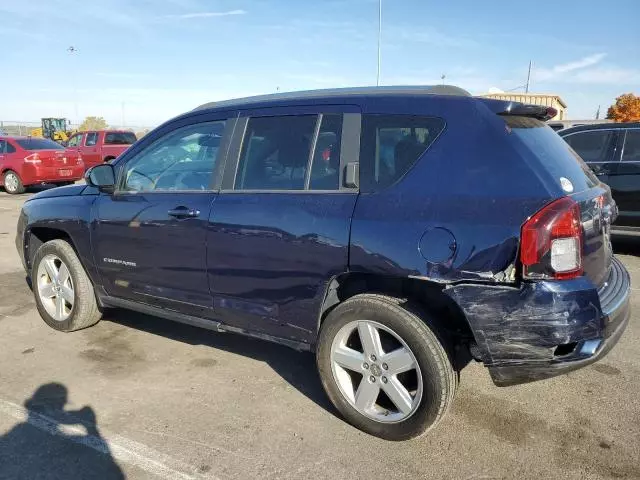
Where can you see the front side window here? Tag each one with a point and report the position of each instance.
(92, 139)
(183, 160)
(3, 146)
(391, 144)
(631, 151)
(593, 146)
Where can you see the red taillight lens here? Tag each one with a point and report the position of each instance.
(551, 242)
(33, 158)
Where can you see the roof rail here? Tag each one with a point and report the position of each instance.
(341, 92)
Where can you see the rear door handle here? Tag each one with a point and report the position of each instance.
(184, 212)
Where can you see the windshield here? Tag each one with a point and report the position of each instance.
(119, 138)
(38, 144)
(534, 138)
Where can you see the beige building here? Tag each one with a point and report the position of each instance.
(547, 100)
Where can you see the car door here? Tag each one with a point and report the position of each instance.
(598, 148)
(91, 154)
(3, 149)
(624, 179)
(149, 236)
(279, 230)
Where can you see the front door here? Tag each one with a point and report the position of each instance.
(90, 151)
(149, 237)
(279, 230)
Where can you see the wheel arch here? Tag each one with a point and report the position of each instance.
(421, 295)
(37, 235)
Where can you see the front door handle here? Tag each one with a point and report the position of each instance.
(184, 212)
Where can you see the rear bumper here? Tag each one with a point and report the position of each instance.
(544, 329)
(32, 174)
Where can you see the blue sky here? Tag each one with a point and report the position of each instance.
(158, 58)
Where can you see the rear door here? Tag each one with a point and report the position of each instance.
(279, 230)
(149, 236)
(624, 179)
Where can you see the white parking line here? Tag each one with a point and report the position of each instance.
(121, 448)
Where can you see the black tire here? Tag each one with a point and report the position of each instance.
(64, 184)
(438, 374)
(19, 187)
(85, 311)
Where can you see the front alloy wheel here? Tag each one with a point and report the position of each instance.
(55, 288)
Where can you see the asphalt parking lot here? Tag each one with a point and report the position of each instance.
(141, 397)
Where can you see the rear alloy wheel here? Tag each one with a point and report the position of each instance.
(384, 368)
(64, 294)
(12, 183)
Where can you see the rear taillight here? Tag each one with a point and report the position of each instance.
(551, 242)
(33, 158)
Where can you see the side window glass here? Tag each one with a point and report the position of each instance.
(3, 147)
(10, 148)
(92, 139)
(183, 160)
(325, 167)
(593, 146)
(631, 151)
(391, 144)
(275, 153)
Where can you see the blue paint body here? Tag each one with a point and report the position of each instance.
(263, 262)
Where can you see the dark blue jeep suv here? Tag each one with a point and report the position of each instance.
(395, 232)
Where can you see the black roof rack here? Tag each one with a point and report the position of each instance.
(342, 92)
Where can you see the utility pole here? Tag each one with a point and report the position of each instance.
(71, 51)
(379, 41)
(526, 88)
(598, 113)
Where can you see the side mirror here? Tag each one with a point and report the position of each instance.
(351, 175)
(102, 177)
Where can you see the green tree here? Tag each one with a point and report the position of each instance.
(93, 123)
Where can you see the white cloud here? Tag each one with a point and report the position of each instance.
(186, 16)
(609, 76)
(559, 71)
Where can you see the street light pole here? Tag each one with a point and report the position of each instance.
(379, 40)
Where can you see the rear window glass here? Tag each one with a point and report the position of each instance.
(39, 144)
(533, 138)
(391, 144)
(119, 138)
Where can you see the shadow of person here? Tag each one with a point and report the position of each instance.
(55, 443)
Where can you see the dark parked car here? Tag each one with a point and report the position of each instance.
(395, 232)
(612, 151)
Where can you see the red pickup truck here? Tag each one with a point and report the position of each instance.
(100, 146)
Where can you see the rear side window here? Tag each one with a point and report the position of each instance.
(292, 152)
(631, 152)
(92, 139)
(594, 146)
(391, 144)
(39, 144)
(119, 138)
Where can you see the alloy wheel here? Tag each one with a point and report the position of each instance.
(376, 371)
(55, 287)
